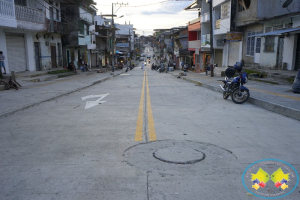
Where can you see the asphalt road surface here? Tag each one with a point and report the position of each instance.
(129, 138)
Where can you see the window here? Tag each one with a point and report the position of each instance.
(81, 27)
(225, 10)
(268, 29)
(269, 44)
(21, 2)
(250, 46)
(258, 45)
(87, 29)
(278, 27)
(290, 25)
(57, 14)
(251, 43)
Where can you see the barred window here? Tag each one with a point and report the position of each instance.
(81, 27)
(258, 45)
(250, 46)
(251, 43)
(225, 10)
(269, 44)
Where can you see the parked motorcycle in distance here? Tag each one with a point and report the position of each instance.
(162, 68)
(235, 86)
(185, 67)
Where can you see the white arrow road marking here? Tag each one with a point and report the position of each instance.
(101, 96)
(90, 104)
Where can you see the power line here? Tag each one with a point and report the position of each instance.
(149, 4)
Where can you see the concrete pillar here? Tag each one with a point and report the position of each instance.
(30, 51)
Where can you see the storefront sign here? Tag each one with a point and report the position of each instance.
(234, 36)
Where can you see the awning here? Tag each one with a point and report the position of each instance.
(193, 7)
(278, 32)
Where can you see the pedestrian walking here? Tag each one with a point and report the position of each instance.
(2, 57)
(182, 65)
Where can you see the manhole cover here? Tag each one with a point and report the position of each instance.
(179, 155)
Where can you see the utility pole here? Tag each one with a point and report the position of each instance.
(173, 46)
(129, 39)
(211, 41)
(113, 40)
(113, 35)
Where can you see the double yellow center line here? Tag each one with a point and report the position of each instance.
(139, 123)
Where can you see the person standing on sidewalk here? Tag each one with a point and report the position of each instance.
(2, 57)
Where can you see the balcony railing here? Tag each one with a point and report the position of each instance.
(24, 13)
(7, 9)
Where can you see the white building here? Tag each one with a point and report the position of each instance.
(28, 34)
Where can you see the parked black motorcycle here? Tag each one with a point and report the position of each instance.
(235, 86)
(153, 67)
(185, 67)
(161, 69)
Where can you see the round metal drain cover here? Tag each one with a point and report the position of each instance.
(179, 155)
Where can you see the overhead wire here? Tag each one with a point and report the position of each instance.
(140, 5)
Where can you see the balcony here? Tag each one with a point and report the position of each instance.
(85, 15)
(14, 16)
(196, 44)
(27, 14)
(205, 17)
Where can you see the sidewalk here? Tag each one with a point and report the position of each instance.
(34, 93)
(276, 98)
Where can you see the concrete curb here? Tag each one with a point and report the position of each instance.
(273, 107)
(5, 114)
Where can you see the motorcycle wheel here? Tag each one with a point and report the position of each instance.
(240, 97)
(225, 95)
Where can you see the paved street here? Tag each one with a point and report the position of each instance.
(129, 143)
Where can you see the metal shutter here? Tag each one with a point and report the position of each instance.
(16, 53)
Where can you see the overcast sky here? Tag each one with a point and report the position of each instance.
(162, 14)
